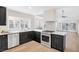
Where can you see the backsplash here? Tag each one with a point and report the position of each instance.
(3, 28)
(50, 25)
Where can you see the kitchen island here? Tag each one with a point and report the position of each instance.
(58, 40)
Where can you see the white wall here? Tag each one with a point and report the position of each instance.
(72, 14)
(17, 8)
(38, 22)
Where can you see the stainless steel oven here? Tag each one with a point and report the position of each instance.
(46, 39)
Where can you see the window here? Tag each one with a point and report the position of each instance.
(11, 24)
(66, 27)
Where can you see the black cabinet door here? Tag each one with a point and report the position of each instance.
(57, 42)
(53, 41)
(38, 35)
(0, 45)
(4, 42)
(60, 42)
(2, 15)
(27, 39)
(33, 35)
(24, 37)
(37, 39)
(29, 35)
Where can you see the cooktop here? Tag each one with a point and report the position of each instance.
(48, 31)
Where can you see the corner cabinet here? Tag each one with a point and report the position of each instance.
(3, 42)
(37, 37)
(58, 42)
(24, 37)
(2, 15)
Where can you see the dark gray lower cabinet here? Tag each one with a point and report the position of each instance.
(21, 38)
(53, 41)
(0, 46)
(3, 42)
(24, 37)
(31, 35)
(37, 37)
(58, 42)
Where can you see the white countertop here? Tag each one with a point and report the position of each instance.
(59, 33)
(39, 30)
(15, 32)
(12, 32)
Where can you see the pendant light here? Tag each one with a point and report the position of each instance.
(63, 16)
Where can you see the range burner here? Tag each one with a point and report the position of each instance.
(48, 31)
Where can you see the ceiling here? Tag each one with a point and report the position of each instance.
(34, 10)
(37, 9)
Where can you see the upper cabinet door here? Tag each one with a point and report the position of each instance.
(2, 15)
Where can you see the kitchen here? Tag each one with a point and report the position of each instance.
(39, 29)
